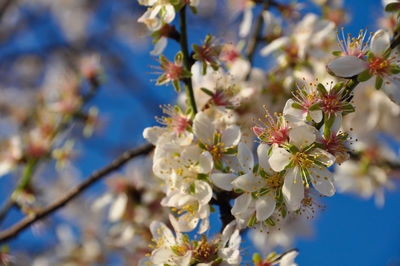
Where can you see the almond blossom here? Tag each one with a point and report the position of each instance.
(303, 163)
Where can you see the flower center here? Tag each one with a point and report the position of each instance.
(379, 66)
(302, 160)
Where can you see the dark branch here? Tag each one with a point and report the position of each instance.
(96, 176)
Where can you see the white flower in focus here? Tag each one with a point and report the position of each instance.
(302, 164)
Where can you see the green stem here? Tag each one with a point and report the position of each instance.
(27, 174)
(186, 59)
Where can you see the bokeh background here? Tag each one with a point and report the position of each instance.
(40, 37)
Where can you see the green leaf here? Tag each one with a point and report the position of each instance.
(192, 189)
(378, 83)
(179, 58)
(314, 107)
(270, 222)
(395, 69)
(296, 105)
(364, 76)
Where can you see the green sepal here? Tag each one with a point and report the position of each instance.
(283, 212)
(192, 188)
(364, 76)
(328, 125)
(207, 91)
(270, 222)
(314, 107)
(252, 220)
(257, 258)
(194, 9)
(337, 87)
(321, 89)
(378, 83)
(337, 53)
(218, 165)
(387, 53)
(177, 85)
(395, 70)
(179, 58)
(162, 79)
(296, 105)
(392, 7)
(203, 177)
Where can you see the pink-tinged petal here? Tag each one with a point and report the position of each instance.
(347, 66)
(245, 157)
(322, 180)
(380, 42)
(230, 136)
(302, 136)
(241, 203)
(279, 159)
(223, 181)
(265, 206)
(248, 182)
(203, 128)
(293, 189)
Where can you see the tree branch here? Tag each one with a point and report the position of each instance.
(96, 176)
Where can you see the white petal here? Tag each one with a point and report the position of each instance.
(293, 189)
(162, 256)
(323, 156)
(248, 182)
(152, 134)
(245, 157)
(279, 159)
(102, 201)
(169, 14)
(316, 115)
(265, 206)
(230, 136)
(117, 208)
(338, 122)
(203, 128)
(288, 258)
(302, 136)
(161, 232)
(223, 181)
(245, 26)
(347, 66)
(159, 46)
(274, 45)
(206, 163)
(262, 153)
(203, 192)
(322, 180)
(380, 42)
(392, 90)
(241, 203)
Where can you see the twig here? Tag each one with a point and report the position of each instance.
(96, 176)
(4, 6)
(186, 59)
(255, 38)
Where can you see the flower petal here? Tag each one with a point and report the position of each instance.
(274, 45)
(293, 189)
(262, 153)
(248, 182)
(347, 66)
(323, 156)
(223, 181)
(279, 159)
(380, 42)
(241, 203)
(203, 128)
(265, 206)
(159, 46)
(230, 136)
(117, 208)
(161, 232)
(322, 180)
(245, 157)
(302, 136)
(245, 26)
